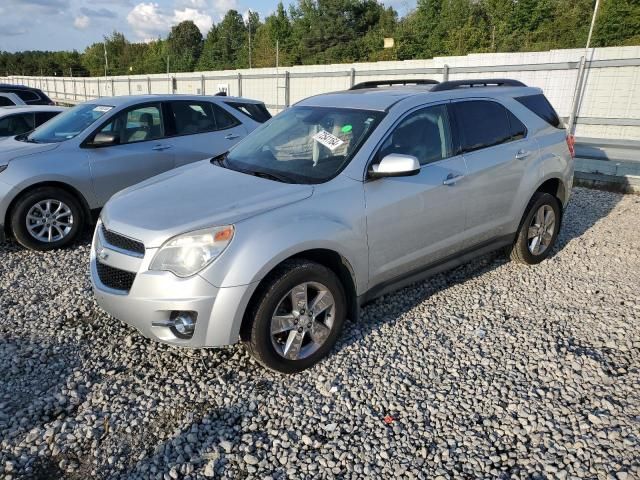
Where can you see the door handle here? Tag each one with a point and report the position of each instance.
(159, 148)
(522, 154)
(231, 136)
(452, 179)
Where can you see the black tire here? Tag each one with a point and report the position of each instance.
(28, 200)
(257, 329)
(520, 251)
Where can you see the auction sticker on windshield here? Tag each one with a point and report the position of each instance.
(328, 140)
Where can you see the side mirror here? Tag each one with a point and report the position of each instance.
(105, 139)
(395, 165)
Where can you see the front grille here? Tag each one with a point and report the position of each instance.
(122, 242)
(114, 277)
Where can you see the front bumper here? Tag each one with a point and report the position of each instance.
(154, 295)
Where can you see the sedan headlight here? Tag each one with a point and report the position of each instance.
(187, 254)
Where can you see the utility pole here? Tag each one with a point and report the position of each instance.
(106, 61)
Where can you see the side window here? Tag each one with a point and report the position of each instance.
(425, 134)
(26, 95)
(16, 124)
(481, 124)
(517, 128)
(224, 120)
(192, 117)
(137, 125)
(5, 102)
(539, 105)
(256, 111)
(42, 117)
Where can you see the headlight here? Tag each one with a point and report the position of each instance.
(187, 254)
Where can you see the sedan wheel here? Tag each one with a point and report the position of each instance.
(49, 220)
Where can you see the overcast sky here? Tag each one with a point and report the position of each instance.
(75, 24)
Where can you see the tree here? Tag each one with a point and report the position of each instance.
(276, 28)
(184, 46)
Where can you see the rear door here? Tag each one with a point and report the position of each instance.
(142, 152)
(201, 129)
(496, 147)
(417, 220)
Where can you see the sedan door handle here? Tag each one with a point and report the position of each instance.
(522, 154)
(231, 136)
(159, 148)
(452, 179)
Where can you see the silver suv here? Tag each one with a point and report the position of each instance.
(54, 179)
(335, 201)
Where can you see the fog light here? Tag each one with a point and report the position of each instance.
(184, 324)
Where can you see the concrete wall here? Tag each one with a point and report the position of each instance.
(609, 106)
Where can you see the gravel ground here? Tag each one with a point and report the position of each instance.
(492, 370)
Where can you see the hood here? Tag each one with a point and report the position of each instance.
(196, 196)
(10, 149)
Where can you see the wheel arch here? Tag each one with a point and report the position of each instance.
(50, 183)
(328, 258)
(554, 186)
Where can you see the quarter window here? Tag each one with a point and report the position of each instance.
(137, 125)
(5, 102)
(256, 111)
(425, 134)
(16, 124)
(42, 117)
(224, 120)
(539, 105)
(481, 124)
(517, 128)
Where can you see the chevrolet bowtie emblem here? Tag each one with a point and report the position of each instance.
(102, 254)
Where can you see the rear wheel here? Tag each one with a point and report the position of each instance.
(297, 317)
(538, 230)
(46, 218)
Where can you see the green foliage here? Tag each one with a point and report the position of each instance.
(338, 31)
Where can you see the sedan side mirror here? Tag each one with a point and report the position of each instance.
(395, 165)
(105, 139)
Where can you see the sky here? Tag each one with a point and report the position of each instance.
(75, 24)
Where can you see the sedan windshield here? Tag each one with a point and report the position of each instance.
(304, 144)
(68, 124)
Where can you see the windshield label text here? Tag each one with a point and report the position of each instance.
(328, 140)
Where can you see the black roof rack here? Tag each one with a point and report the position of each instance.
(490, 82)
(389, 83)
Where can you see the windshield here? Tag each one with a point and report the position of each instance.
(305, 144)
(68, 124)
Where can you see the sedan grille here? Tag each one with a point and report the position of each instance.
(114, 277)
(124, 243)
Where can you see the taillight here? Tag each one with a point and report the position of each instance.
(571, 143)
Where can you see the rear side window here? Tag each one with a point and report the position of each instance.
(5, 102)
(192, 117)
(539, 105)
(27, 95)
(16, 124)
(481, 124)
(42, 117)
(256, 111)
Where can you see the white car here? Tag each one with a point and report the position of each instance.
(8, 99)
(22, 119)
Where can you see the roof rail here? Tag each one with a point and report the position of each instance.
(389, 83)
(490, 82)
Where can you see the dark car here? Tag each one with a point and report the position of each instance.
(30, 95)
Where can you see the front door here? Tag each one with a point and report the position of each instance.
(142, 151)
(417, 220)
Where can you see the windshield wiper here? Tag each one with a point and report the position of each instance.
(270, 176)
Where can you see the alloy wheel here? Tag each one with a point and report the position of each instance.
(302, 320)
(49, 220)
(541, 230)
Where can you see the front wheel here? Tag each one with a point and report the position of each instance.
(46, 218)
(297, 317)
(538, 230)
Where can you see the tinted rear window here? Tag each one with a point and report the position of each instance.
(539, 105)
(5, 102)
(481, 124)
(257, 111)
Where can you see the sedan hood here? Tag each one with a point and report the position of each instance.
(10, 149)
(193, 197)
